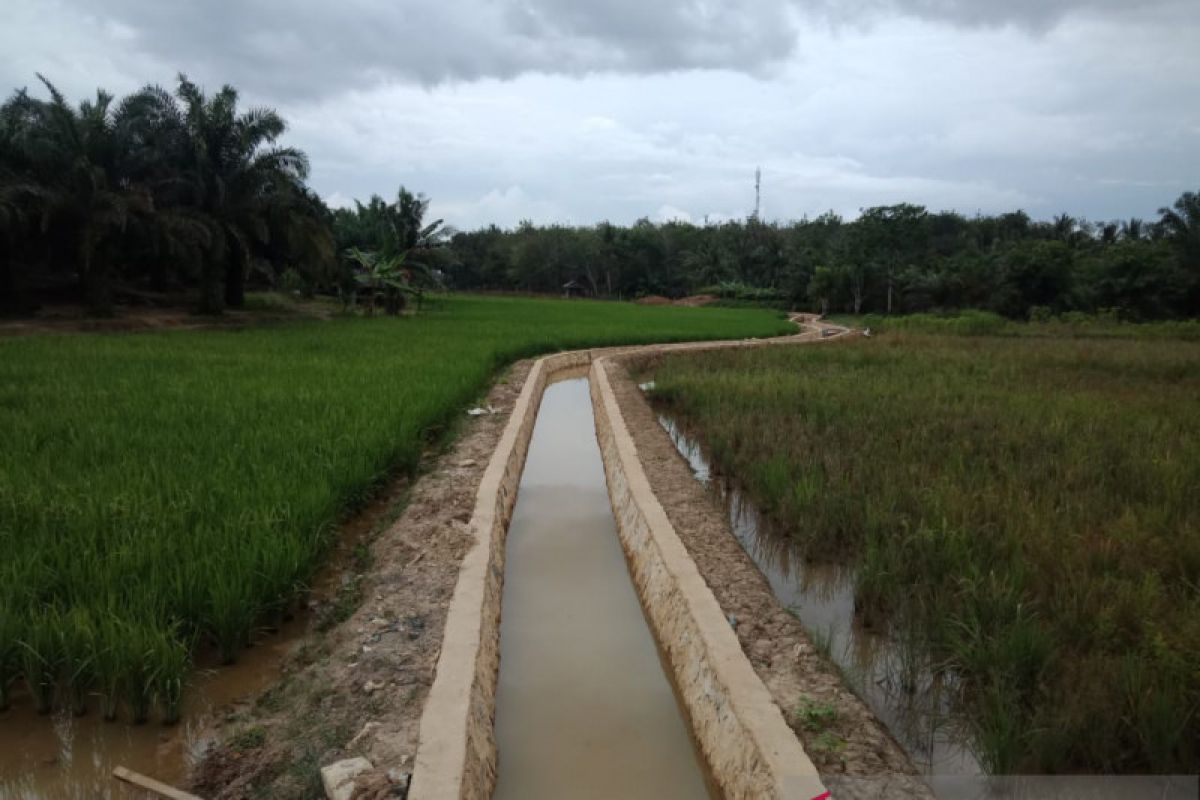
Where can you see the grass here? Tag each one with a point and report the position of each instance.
(1029, 503)
(815, 716)
(165, 492)
(985, 323)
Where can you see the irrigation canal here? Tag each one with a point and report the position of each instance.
(584, 708)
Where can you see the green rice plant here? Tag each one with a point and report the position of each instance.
(10, 650)
(77, 647)
(232, 612)
(1000, 735)
(111, 667)
(141, 653)
(960, 323)
(171, 657)
(1042, 324)
(1024, 502)
(41, 657)
(1160, 711)
(179, 488)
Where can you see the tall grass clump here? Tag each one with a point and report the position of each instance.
(959, 323)
(164, 493)
(1073, 324)
(10, 648)
(1030, 503)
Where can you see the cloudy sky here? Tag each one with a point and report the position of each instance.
(583, 110)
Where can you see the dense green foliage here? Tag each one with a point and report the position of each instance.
(1070, 325)
(157, 191)
(1026, 506)
(893, 259)
(389, 249)
(161, 491)
(160, 192)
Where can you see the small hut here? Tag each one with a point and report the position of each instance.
(574, 289)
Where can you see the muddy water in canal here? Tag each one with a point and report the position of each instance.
(584, 708)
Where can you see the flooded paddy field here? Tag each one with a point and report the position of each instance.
(1024, 450)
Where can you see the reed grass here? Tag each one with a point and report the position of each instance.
(1030, 502)
(1073, 325)
(162, 493)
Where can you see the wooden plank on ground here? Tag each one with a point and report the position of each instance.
(150, 785)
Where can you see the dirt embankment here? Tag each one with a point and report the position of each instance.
(691, 301)
(358, 689)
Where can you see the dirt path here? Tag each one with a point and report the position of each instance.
(358, 689)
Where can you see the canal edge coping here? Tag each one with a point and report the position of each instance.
(456, 755)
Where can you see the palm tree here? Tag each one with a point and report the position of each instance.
(1132, 229)
(73, 166)
(230, 171)
(1180, 225)
(1064, 228)
(300, 232)
(18, 201)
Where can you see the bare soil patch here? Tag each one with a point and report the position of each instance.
(696, 300)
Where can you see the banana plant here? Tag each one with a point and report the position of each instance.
(384, 275)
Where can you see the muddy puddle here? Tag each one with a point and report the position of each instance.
(48, 757)
(894, 677)
(60, 756)
(584, 708)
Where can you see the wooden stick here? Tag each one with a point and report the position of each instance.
(149, 784)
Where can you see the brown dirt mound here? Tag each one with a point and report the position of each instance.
(653, 300)
(697, 300)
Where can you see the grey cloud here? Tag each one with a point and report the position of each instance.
(288, 50)
(1033, 15)
(1053, 105)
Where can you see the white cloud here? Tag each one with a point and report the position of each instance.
(505, 208)
(669, 213)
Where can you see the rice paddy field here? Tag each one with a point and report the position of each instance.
(1023, 505)
(162, 493)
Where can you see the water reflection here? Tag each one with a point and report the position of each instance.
(584, 708)
(62, 756)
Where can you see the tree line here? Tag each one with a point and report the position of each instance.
(892, 259)
(176, 191)
(157, 190)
